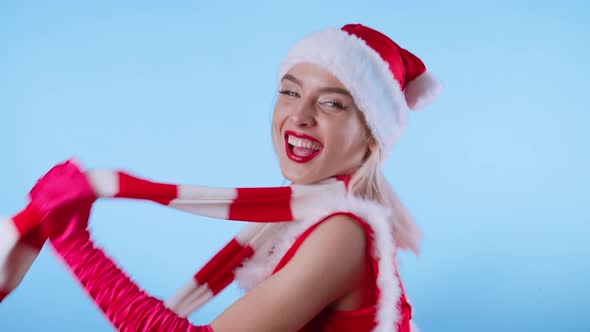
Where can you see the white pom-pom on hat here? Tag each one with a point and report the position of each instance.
(422, 91)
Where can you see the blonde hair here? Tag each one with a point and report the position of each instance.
(368, 182)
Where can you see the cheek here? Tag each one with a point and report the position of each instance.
(279, 114)
(276, 118)
(277, 122)
(350, 139)
(351, 133)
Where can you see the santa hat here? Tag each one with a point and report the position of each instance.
(383, 78)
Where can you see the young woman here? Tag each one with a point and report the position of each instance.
(342, 103)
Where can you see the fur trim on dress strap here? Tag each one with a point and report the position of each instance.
(261, 265)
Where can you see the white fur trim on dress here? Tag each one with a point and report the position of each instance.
(264, 261)
(364, 73)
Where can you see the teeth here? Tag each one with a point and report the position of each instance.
(303, 143)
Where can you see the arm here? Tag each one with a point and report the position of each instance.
(63, 199)
(126, 306)
(327, 266)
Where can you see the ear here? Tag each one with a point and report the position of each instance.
(372, 147)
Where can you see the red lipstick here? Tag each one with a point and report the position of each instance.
(293, 156)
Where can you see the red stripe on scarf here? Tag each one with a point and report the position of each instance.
(225, 275)
(26, 220)
(217, 262)
(262, 205)
(218, 285)
(132, 187)
(2, 295)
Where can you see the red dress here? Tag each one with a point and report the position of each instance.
(360, 320)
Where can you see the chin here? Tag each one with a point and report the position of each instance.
(296, 179)
(303, 173)
(299, 177)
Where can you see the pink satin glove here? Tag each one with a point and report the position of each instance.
(23, 235)
(62, 189)
(64, 197)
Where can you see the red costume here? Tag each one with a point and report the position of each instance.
(384, 81)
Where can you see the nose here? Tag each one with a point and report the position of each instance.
(303, 116)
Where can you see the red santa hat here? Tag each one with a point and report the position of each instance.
(384, 79)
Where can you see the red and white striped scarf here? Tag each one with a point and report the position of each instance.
(270, 210)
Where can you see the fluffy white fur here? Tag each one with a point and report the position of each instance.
(364, 73)
(422, 91)
(261, 265)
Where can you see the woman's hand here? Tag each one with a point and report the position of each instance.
(60, 192)
(62, 189)
(65, 197)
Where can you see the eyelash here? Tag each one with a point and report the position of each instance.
(295, 94)
(334, 104)
(289, 93)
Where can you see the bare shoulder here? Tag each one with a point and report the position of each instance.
(338, 230)
(335, 248)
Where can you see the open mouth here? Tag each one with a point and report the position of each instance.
(301, 148)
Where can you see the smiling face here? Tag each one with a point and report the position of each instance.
(317, 130)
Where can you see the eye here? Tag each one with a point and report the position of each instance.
(289, 93)
(333, 104)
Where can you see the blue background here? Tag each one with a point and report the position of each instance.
(496, 172)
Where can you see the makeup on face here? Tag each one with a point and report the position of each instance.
(301, 148)
(318, 131)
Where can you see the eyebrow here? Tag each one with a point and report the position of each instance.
(341, 91)
(291, 78)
